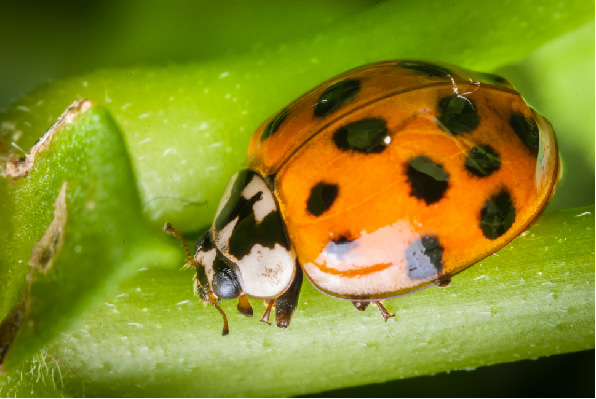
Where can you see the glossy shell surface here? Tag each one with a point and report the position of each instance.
(400, 174)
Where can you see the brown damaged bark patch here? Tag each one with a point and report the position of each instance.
(10, 327)
(42, 258)
(20, 168)
(44, 251)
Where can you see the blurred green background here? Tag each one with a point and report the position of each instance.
(43, 41)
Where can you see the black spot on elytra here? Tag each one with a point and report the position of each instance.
(424, 257)
(274, 124)
(340, 246)
(225, 281)
(428, 180)
(526, 130)
(482, 161)
(427, 68)
(497, 215)
(335, 96)
(494, 79)
(321, 197)
(457, 114)
(342, 240)
(366, 136)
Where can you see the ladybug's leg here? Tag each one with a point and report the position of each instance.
(244, 306)
(286, 303)
(265, 318)
(384, 312)
(360, 305)
(444, 282)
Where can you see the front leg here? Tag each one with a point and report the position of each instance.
(286, 303)
(384, 312)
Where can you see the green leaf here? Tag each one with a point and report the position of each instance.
(533, 298)
(78, 225)
(146, 32)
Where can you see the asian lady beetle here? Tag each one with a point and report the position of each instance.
(381, 181)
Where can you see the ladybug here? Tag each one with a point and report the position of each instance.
(384, 180)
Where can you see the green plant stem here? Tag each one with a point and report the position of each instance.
(533, 298)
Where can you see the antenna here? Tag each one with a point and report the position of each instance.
(168, 228)
(214, 301)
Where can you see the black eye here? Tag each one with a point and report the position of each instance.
(225, 282)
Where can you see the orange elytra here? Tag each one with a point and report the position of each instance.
(383, 180)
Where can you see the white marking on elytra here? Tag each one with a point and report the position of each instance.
(222, 237)
(266, 272)
(266, 204)
(384, 246)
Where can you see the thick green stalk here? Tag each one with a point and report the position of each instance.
(533, 298)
